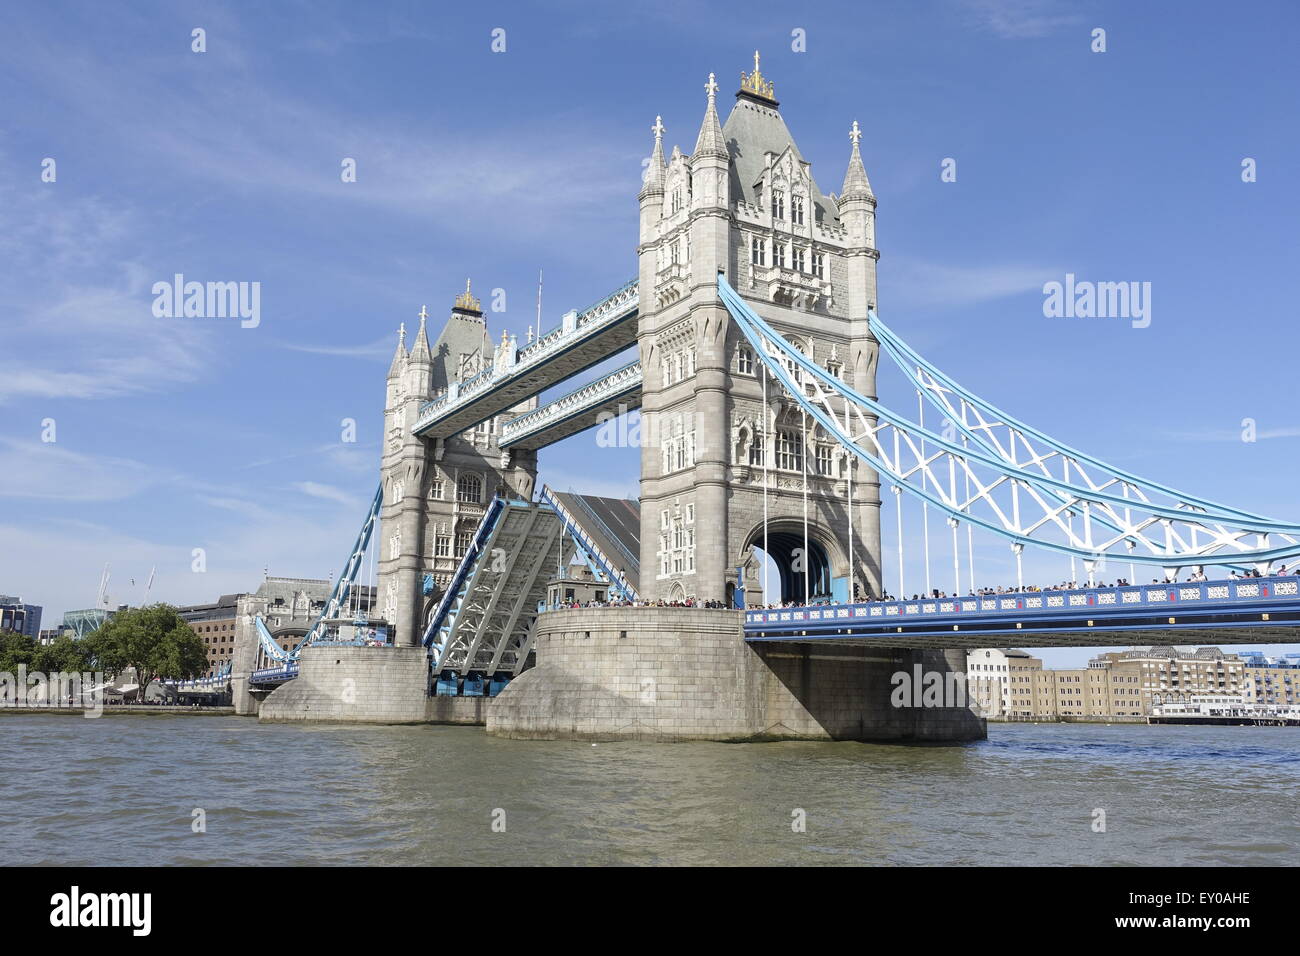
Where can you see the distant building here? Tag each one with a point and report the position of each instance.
(1171, 674)
(1026, 684)
(1272, 680)
(48, 636)
(1000, 682)
(1124, 684)
(288, 606)
(215, 626)
(18, 616)
(86, 621)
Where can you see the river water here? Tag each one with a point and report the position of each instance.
(124, 790)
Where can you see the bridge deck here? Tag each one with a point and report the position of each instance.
(609, 529)
(1252, 610)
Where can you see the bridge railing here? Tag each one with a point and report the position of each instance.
(1252, 591)
(633, 561)
(616, 578)
(274, 675)
(455, 589)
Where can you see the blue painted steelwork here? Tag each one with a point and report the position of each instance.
(473, 686)
(777, 355)
(347, 577)
(596, 573)
(497, 684)
(447, 685)
(591, 552)
(1252, 602)
(204, 684)
(267, 642)
(937, 387)
(440, 622)
(908, 361)
(274, 675)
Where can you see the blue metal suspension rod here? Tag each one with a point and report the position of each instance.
(490, 517)
(906, 358)
(902, 355)
(347, 577)
(756, 331)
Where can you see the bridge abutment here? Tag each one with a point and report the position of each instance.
(664, 674)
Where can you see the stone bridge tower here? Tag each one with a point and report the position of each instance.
(436, 490)
(745, 203)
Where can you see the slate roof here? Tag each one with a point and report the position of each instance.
(752, 130)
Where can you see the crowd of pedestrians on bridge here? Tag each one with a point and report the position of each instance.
(937, 594)
(688, 602)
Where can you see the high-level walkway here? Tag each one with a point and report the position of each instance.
(582, 340)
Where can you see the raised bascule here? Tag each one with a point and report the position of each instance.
(764, 446)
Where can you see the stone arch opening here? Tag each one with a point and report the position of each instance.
(822, 565)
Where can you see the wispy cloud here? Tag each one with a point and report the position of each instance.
(46, 470)
(381, 348)
(1232, 434)
(290, 147)
(78, 308)
(315, 489)
(917, 283)
(1020, 19)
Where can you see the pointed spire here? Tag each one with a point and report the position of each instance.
(711, 141)
(856, 185)
(420, 351)
(654, 175)
(399, 357)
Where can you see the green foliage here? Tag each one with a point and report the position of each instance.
(153, 640)
(64, 654)
(16, 649)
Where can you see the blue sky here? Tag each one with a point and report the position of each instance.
(174, 434)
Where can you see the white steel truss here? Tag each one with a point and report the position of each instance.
(1012, 486)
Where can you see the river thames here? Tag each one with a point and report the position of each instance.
(124, 790)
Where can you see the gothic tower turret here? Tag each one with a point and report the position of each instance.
(436, 491)
(718, 458)
(401, 473)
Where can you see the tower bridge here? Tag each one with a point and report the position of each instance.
(758, 338)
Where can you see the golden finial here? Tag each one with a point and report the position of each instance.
(467, 302)
(756, 84)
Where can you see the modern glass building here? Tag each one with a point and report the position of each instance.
(20, 617)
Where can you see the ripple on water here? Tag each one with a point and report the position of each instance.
(410, 795)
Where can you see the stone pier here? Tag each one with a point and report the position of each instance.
(387, 685)
(665, 674)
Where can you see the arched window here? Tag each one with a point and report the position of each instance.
(469, 487)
